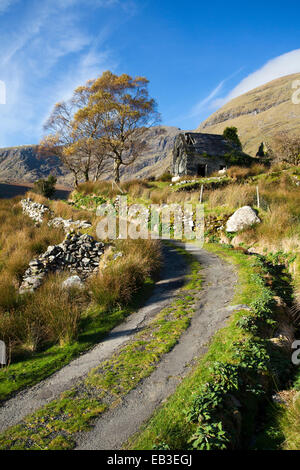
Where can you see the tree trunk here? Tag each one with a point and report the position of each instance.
(75, 179)
(117, 164)
(86, 176)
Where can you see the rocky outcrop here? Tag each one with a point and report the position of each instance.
(72, 282)
(79, 254)
(242, 218)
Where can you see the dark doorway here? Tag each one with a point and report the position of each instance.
(201, 170)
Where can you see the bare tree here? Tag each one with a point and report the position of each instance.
(74, 143)
(286, 147)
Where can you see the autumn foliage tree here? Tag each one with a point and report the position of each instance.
(103, 125)
(123, 110)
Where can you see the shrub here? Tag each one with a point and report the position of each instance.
(209, 436)
(165, 177)
(252, 355)
(45, 187)
(248, 323)
(231, 134)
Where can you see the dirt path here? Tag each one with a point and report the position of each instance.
(113, 428)
(24, 403)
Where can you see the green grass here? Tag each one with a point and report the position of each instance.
(96, 323)
(55, 424)
(169, 426)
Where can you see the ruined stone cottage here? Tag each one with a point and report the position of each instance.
(199, 154)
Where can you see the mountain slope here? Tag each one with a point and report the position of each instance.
(22, 163)
(258, 114)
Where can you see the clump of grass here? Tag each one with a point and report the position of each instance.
(35, 320)
(233, 196)
(239, 173)
(37, 198)
(66, 211)
(117, 284)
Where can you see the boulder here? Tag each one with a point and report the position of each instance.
(72, 282)
(242, 218)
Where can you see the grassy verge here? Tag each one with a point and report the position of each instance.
(215, 406)
(54, 426)
(49, 334)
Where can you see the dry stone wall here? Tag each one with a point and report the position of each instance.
(37, 211)
(78, 253)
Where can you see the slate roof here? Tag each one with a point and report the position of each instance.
(212, 144)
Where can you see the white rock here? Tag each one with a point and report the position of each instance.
(242, 218)
(71, 282)
(175, 179)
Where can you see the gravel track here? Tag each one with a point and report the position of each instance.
(113, 428)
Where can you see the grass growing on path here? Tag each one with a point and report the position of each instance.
(54, 426)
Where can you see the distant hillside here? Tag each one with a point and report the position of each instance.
(157, 159)
(258, 114)
(23, 165)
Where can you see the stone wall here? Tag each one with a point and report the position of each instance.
(78, 253)
(38, 211)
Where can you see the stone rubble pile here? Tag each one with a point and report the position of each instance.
(79, 254)
(34, 210)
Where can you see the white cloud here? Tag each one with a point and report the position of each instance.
(280, 66)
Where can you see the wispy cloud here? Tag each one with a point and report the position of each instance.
(205, 102)
(280, 66)
(49, 52)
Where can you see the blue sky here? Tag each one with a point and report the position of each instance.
(197, 55)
